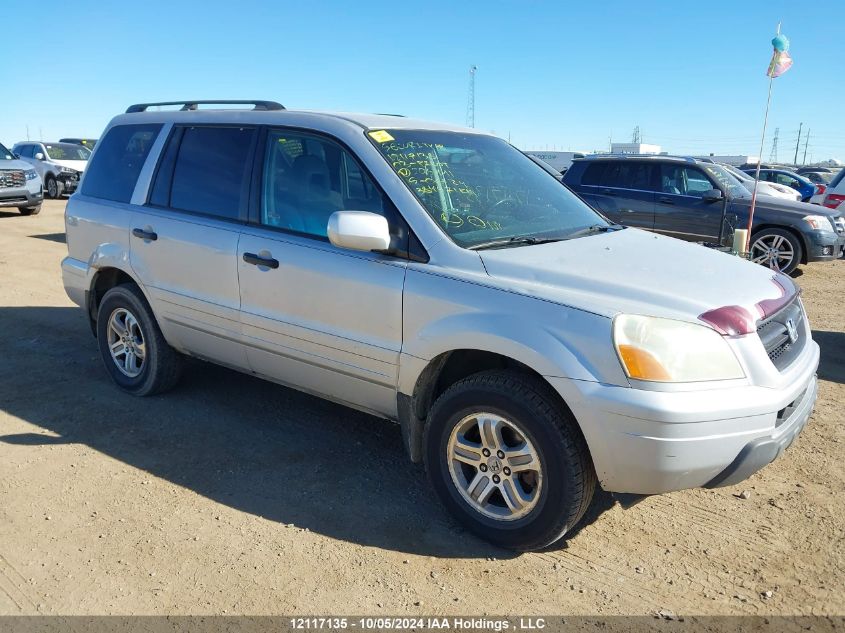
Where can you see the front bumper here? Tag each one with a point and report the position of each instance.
(651, 442)
(68, 182)
(764, 450)
(27, 196)
(824, 245)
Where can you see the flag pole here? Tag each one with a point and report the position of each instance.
(757, 171)
(759, 160)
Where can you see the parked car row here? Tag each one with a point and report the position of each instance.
(699, 201)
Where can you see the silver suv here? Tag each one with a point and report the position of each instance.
(60, 165)
(437, 277)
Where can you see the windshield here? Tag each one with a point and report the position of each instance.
(67, 151)
(726, 180)
(737, 173)
(480, 189)
(5, 154)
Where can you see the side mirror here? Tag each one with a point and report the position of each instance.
(359, 231)
(712, 195)
(16, 155)
(39, 156)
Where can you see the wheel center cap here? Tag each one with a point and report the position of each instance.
(494, 465)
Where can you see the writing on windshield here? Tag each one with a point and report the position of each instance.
(479, 188)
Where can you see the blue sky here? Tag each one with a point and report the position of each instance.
(560, 74)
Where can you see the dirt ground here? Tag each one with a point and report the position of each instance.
(233, 495)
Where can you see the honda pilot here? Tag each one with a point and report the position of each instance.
(529, 348)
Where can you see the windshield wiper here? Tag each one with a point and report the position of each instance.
(595, 228)
(516, 240)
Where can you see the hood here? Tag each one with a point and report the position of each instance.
(15, 164)
(800, 209)
(78, 165)
(632, 271)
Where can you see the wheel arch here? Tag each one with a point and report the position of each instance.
(443, 371)
(104, 279)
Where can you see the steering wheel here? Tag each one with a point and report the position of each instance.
(500, 204)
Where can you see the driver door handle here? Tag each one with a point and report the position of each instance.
(255, 260)
(152, 236)
(666, 200)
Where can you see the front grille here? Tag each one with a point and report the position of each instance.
(12, 178)
(784, 334)
(839, 223)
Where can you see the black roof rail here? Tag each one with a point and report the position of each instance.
(257, 104)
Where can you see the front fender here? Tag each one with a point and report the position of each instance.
(443, 315)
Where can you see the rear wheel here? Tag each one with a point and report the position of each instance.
(776, 248)
(507, 459)
(30, 210)
(132, 347)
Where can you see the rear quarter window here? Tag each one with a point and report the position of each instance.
(114, 169)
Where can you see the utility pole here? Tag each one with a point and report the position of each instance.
(806, 142)
(797, 143)
(471, 97)
(27, 131)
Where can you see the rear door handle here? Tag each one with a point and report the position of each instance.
(666, 200)
(152, 236)
(255, 260)
(608, 192)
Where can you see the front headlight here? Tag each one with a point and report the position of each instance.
(819, 222)
(30, 174)
(665, 350)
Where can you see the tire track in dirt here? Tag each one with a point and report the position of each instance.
(13, 584)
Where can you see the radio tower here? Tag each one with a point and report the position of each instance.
(471, 97)
(636, 137)
(773, 156)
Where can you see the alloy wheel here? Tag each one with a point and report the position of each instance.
(494, 466)
(773, 251)
(126, 342)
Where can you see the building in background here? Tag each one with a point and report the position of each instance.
(634, 148)
(556, 160)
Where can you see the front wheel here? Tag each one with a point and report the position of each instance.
(508, 460)
(776, 248)
(51, 188)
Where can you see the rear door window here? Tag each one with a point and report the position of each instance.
(211, 171)
(593, 174)
(113, 172)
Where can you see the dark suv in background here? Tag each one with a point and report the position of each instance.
(688, 199)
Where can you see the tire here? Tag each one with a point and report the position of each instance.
(783, 242)
(30, 210)
(533, 417)
(51, 188)
(160, 367)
